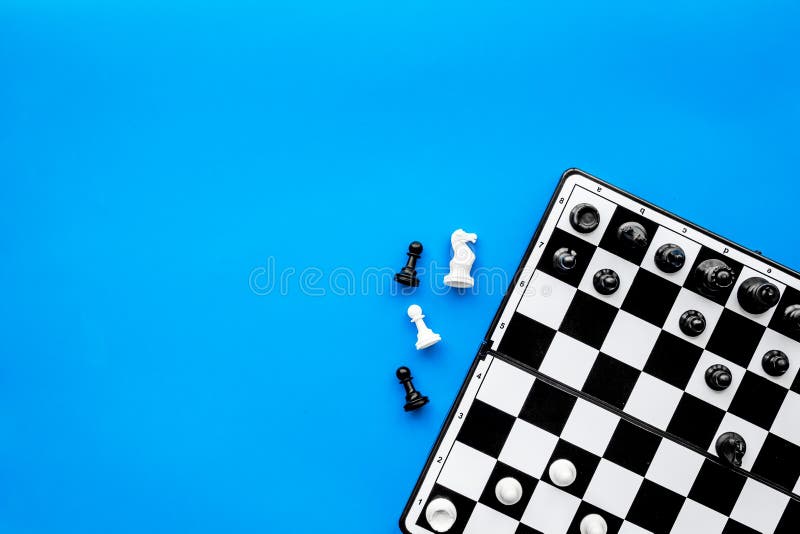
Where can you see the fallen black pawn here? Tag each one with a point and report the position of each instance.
(414, 399)
(408, 274)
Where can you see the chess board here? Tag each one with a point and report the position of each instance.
(612, 383)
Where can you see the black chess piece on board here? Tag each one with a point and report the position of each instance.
(714, 276)
(414, 399)
(565, 259)
(670, 258)
(692, 323)
(632, 235)
(606, 281)
(731, 448)
(718, 377)
(408, 274)
(584, 218)
(757, 295)
(775, 363)
(791, 317)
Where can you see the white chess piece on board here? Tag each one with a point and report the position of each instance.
(441, 514)
(593, 524)
(508, 491)
(425, 336)
(562, 473)
(463, 258)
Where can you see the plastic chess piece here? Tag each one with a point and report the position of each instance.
(775, 363)
(731, 448)
(692, 323)
(606, 281)
(441, 514)
(791, 317)
(670, 258)
(584, 218)
(408, 274)
(593, 524)
(508, 491)
(565, 260)
(714, 276)
(718, 377)
(757, 295)
(632, 235)
(425, 336)
(414, 399)
(562, 473)
(463, 258)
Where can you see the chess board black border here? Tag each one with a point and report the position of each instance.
(485, 346)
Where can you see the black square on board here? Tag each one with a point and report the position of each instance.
(614, 523)
(734, 527)
(673, 360)
(695, 420)
(790, 521)
(489, 498)
(735, 337)
(796, 384)
(611, 380)
(790, 296)
(778, 461)
(717, 487)
(525, 529)
(547, 407)
(692, 281)
(632, 447)
(464, 506)
(583, 255)
(650, 297)
(486, 428)
(611, 242)
(526, 340)
(655, 508)
(585, 465)
(588, 319)
(757, 400)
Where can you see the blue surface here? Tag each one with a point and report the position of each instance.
(155, 160)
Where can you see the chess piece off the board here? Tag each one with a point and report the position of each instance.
(757, 295)
(414, 399)
(562, 473)
(593, 524)
(670, 258)
(508, 491)
(408, 274)
(425, 336)
(441, 514)
(731, 448)
(714, 276)
(775, 363)
(463, 258)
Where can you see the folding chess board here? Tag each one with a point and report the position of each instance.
(616, 382)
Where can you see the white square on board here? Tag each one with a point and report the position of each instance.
(485, 519)
(694, 518)
(603, 259)
(613, 488)
(653, 401)
(787, 422)
(753, 435)
(759, 507)
(630, 339)
(505, 387)
(546, 299)
(568, 360)
(605, 209)
(664, 236)
(466, 471)
(590, 427)
(528, 448)
(733, 300)
(675, 467)
(698, 387)
(630, 528)
(689, 300)
(550, 509)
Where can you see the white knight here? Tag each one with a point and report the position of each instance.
(463, 258)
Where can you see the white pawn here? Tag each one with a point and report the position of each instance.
(441, 514)
(463, 258)
(425, 336)
(593, 524)
(562, 473)
(508, 491)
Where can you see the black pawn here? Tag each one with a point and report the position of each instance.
(670, 258)
(775, 363)
(414, 399)
(632, 235)
(718, 377)
(408, 274)
(692, 323)
(565, 260)
(714, 276)
(757, 295)
(731, 448)
(791, 317)
(606, 281)
(584, 218)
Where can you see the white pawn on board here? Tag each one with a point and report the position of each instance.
(562, 473)
(425, 336)
(593, 524)
(508, 491)
(463, 258)
(441, 514)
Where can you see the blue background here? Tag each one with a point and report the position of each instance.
(153, 158)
